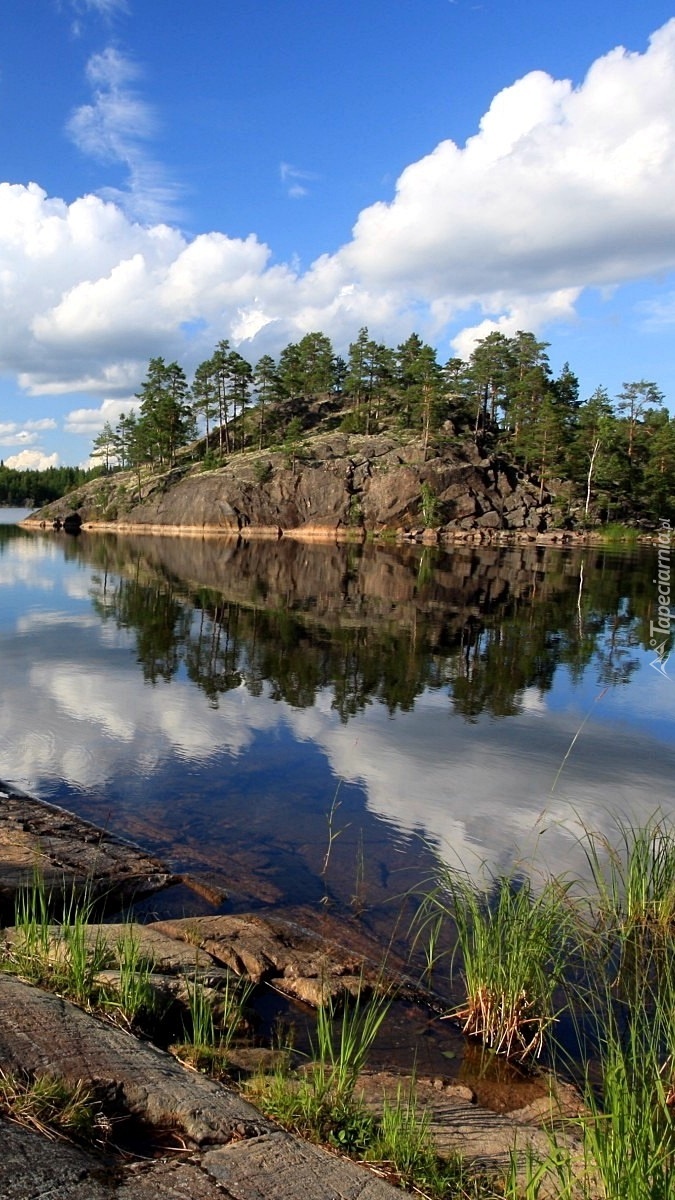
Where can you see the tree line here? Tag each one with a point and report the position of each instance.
(605, 458)
(615, 456)
(32, 488)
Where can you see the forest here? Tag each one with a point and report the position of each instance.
(32, 489)
(606, 458)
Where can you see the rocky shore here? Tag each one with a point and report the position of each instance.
(338, 487)
(167, 1131)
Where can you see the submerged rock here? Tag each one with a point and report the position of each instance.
(69, 855)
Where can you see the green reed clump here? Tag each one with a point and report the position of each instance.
(344, 1040)
(318, 1101)
(215, 1018)
(514, 944)
(614, 531)
(33, 933)
(633, 875)
(57, 953)
(83, 957)
(133, 997)
(626, 1129)
(402, 1142)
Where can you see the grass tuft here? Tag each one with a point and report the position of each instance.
(633, 875)
(513, 943)
(48, 1105)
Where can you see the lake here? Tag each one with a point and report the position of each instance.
(317, 724)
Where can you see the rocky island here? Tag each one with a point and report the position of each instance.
(336, 486)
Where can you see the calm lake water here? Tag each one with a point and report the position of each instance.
(311, 722)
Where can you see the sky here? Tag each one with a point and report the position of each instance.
(172, 175)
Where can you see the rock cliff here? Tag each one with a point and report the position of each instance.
(334, 485)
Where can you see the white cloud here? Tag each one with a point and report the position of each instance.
(89, 421)
(13, 434)
(294, 180)
(106, 8)
(31, 460)
(21, 438)
(658, 314)
(41, 424)
(561, 189)
(115, 128)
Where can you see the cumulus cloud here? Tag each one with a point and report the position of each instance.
(13, 434)
(32, 460)
(89, 421)
(561, 189)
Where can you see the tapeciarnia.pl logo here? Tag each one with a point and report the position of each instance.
(659, 631)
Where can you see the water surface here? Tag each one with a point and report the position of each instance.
(319, 722)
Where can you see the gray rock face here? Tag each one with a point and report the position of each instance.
(43, 1034)
(33, 1168)
(278, 1167)
(339, 486)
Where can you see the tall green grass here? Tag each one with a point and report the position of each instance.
(133, 998)
(344, 1040)
(633, 875)
(57, 951)
(512, 944)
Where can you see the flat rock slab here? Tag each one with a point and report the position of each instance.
(43, 1034)
(69, 854)
(168, 955)
(309, 958)
(458, 1125)
(168, 1181)
(35, 1168)
(279, 1167)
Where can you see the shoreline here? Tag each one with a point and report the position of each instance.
(444, 538)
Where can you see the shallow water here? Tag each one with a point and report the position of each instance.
(320, 724)
(313, 724)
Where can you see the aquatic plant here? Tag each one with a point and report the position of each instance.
(513, 944)
(633, 875)
(344, 1040)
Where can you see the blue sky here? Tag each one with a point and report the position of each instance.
(171, 175)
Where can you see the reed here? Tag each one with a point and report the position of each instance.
(513, 944)
(83, 958)
(31, 946)
(344, 1040)
(633, 875)
(134, 997)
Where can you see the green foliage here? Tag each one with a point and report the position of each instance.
(429, 503)
(514, 945)
(344, 1041)
(214, 1021)
(134, 998)
(263, 471)
(617, 533)
(633, 876)
(57, 952)
(33, 489)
